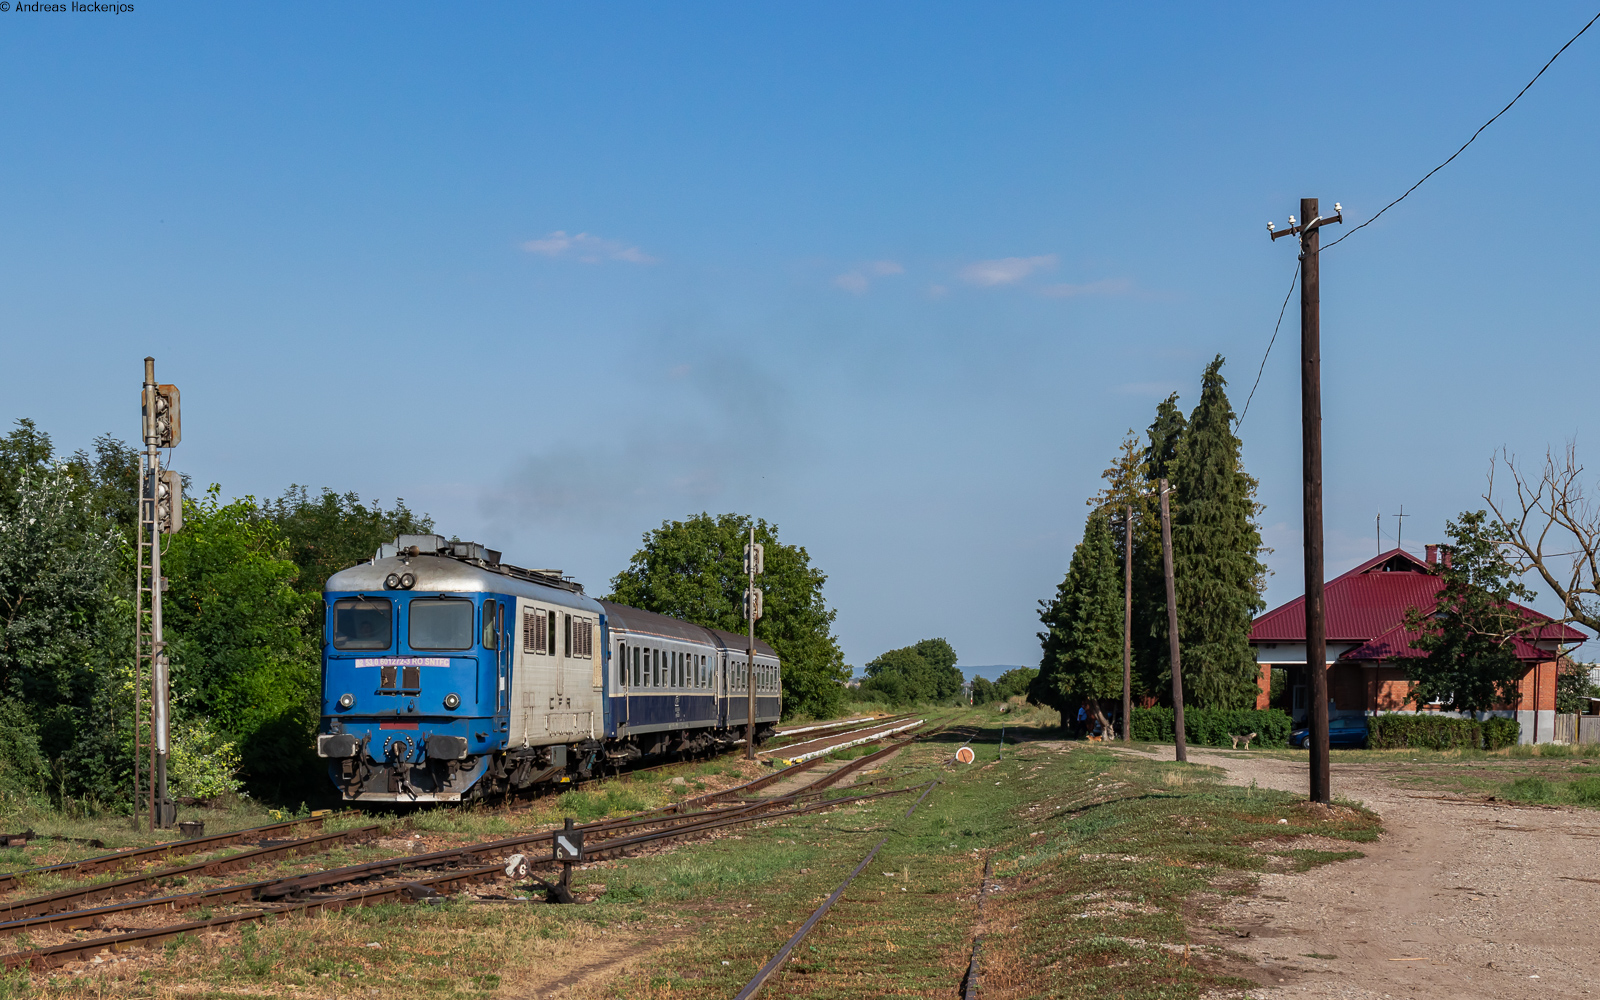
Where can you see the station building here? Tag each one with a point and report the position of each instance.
(1368, 643)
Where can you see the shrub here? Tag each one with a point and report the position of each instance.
(1438, 732)
(202, 764)
(1500, 733)
(1214, 727)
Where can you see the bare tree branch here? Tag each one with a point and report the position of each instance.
(1551, 527)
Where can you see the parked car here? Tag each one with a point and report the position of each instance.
(1344, 731)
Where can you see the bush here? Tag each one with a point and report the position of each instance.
(1214, 727)
(202, 764)
(1500, 733)
(1438, 732)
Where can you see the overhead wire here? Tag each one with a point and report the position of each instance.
(1526, 87)
(1281, 310)
(1469, 142)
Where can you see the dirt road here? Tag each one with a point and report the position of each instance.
(1455, 900)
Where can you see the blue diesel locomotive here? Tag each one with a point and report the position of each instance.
(448, 675)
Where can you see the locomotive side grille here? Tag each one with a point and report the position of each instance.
(541, 627)
(529, 630)
(582, 638)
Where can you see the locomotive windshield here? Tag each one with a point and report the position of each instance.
(362, 623)
(441, 624)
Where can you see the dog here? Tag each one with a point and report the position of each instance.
(1245, 739)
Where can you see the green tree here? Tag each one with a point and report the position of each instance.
(66, 639)
(1471, 663)
(924, 672)
(1216, 554)
(1016, 680)
(1082, 661)
(982, 691)
(333, 531)
(1128, 484)
(243, 653)
(694, 570)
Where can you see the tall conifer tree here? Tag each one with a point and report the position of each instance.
(1082, 640)
(1127, 485)
(1216, 553)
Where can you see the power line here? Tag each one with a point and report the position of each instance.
(1469, 142)
(1352, 232)
(1284, 308)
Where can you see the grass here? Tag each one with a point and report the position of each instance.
(1103, 860)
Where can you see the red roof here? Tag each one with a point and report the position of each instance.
(1368, 605)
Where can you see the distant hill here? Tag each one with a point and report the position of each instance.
(990, 672)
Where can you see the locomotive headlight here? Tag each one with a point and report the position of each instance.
(407, 581)
(452, 701)
(347, 700)
(392, 581)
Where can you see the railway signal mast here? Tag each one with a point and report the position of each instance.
(753, 552)
(160, 513)
(1308, 231)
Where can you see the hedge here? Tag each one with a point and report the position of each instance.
(1438, 732)
(1214, 727)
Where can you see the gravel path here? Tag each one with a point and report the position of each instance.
(1456, 899)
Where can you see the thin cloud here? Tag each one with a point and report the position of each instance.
(588, 248)
(1006, 270)
(859, 280)
(1105, 286)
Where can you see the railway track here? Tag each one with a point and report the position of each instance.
(176, 848)
(408, 877)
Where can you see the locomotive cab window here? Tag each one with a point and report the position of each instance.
(443, 623)
(490, 633)
(362, 623)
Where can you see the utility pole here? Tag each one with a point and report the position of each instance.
(752, 609)
(1400, 528)
(160, 513)
(1172, 627)
(1311, 477)
(1127, 623)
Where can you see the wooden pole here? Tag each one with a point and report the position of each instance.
(1311, 453)
(750, 660)
(1172, 627)
(1127, 624)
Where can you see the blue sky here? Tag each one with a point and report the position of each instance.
(894, 276)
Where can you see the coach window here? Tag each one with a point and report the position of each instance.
(636, 666)
(677, 669)
(440, 623)
(362, 623)
(622, 656)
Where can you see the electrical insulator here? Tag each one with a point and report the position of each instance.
(752, 604)
(754, 558)
(169, 502)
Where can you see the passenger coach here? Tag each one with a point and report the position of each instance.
(448, 674)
